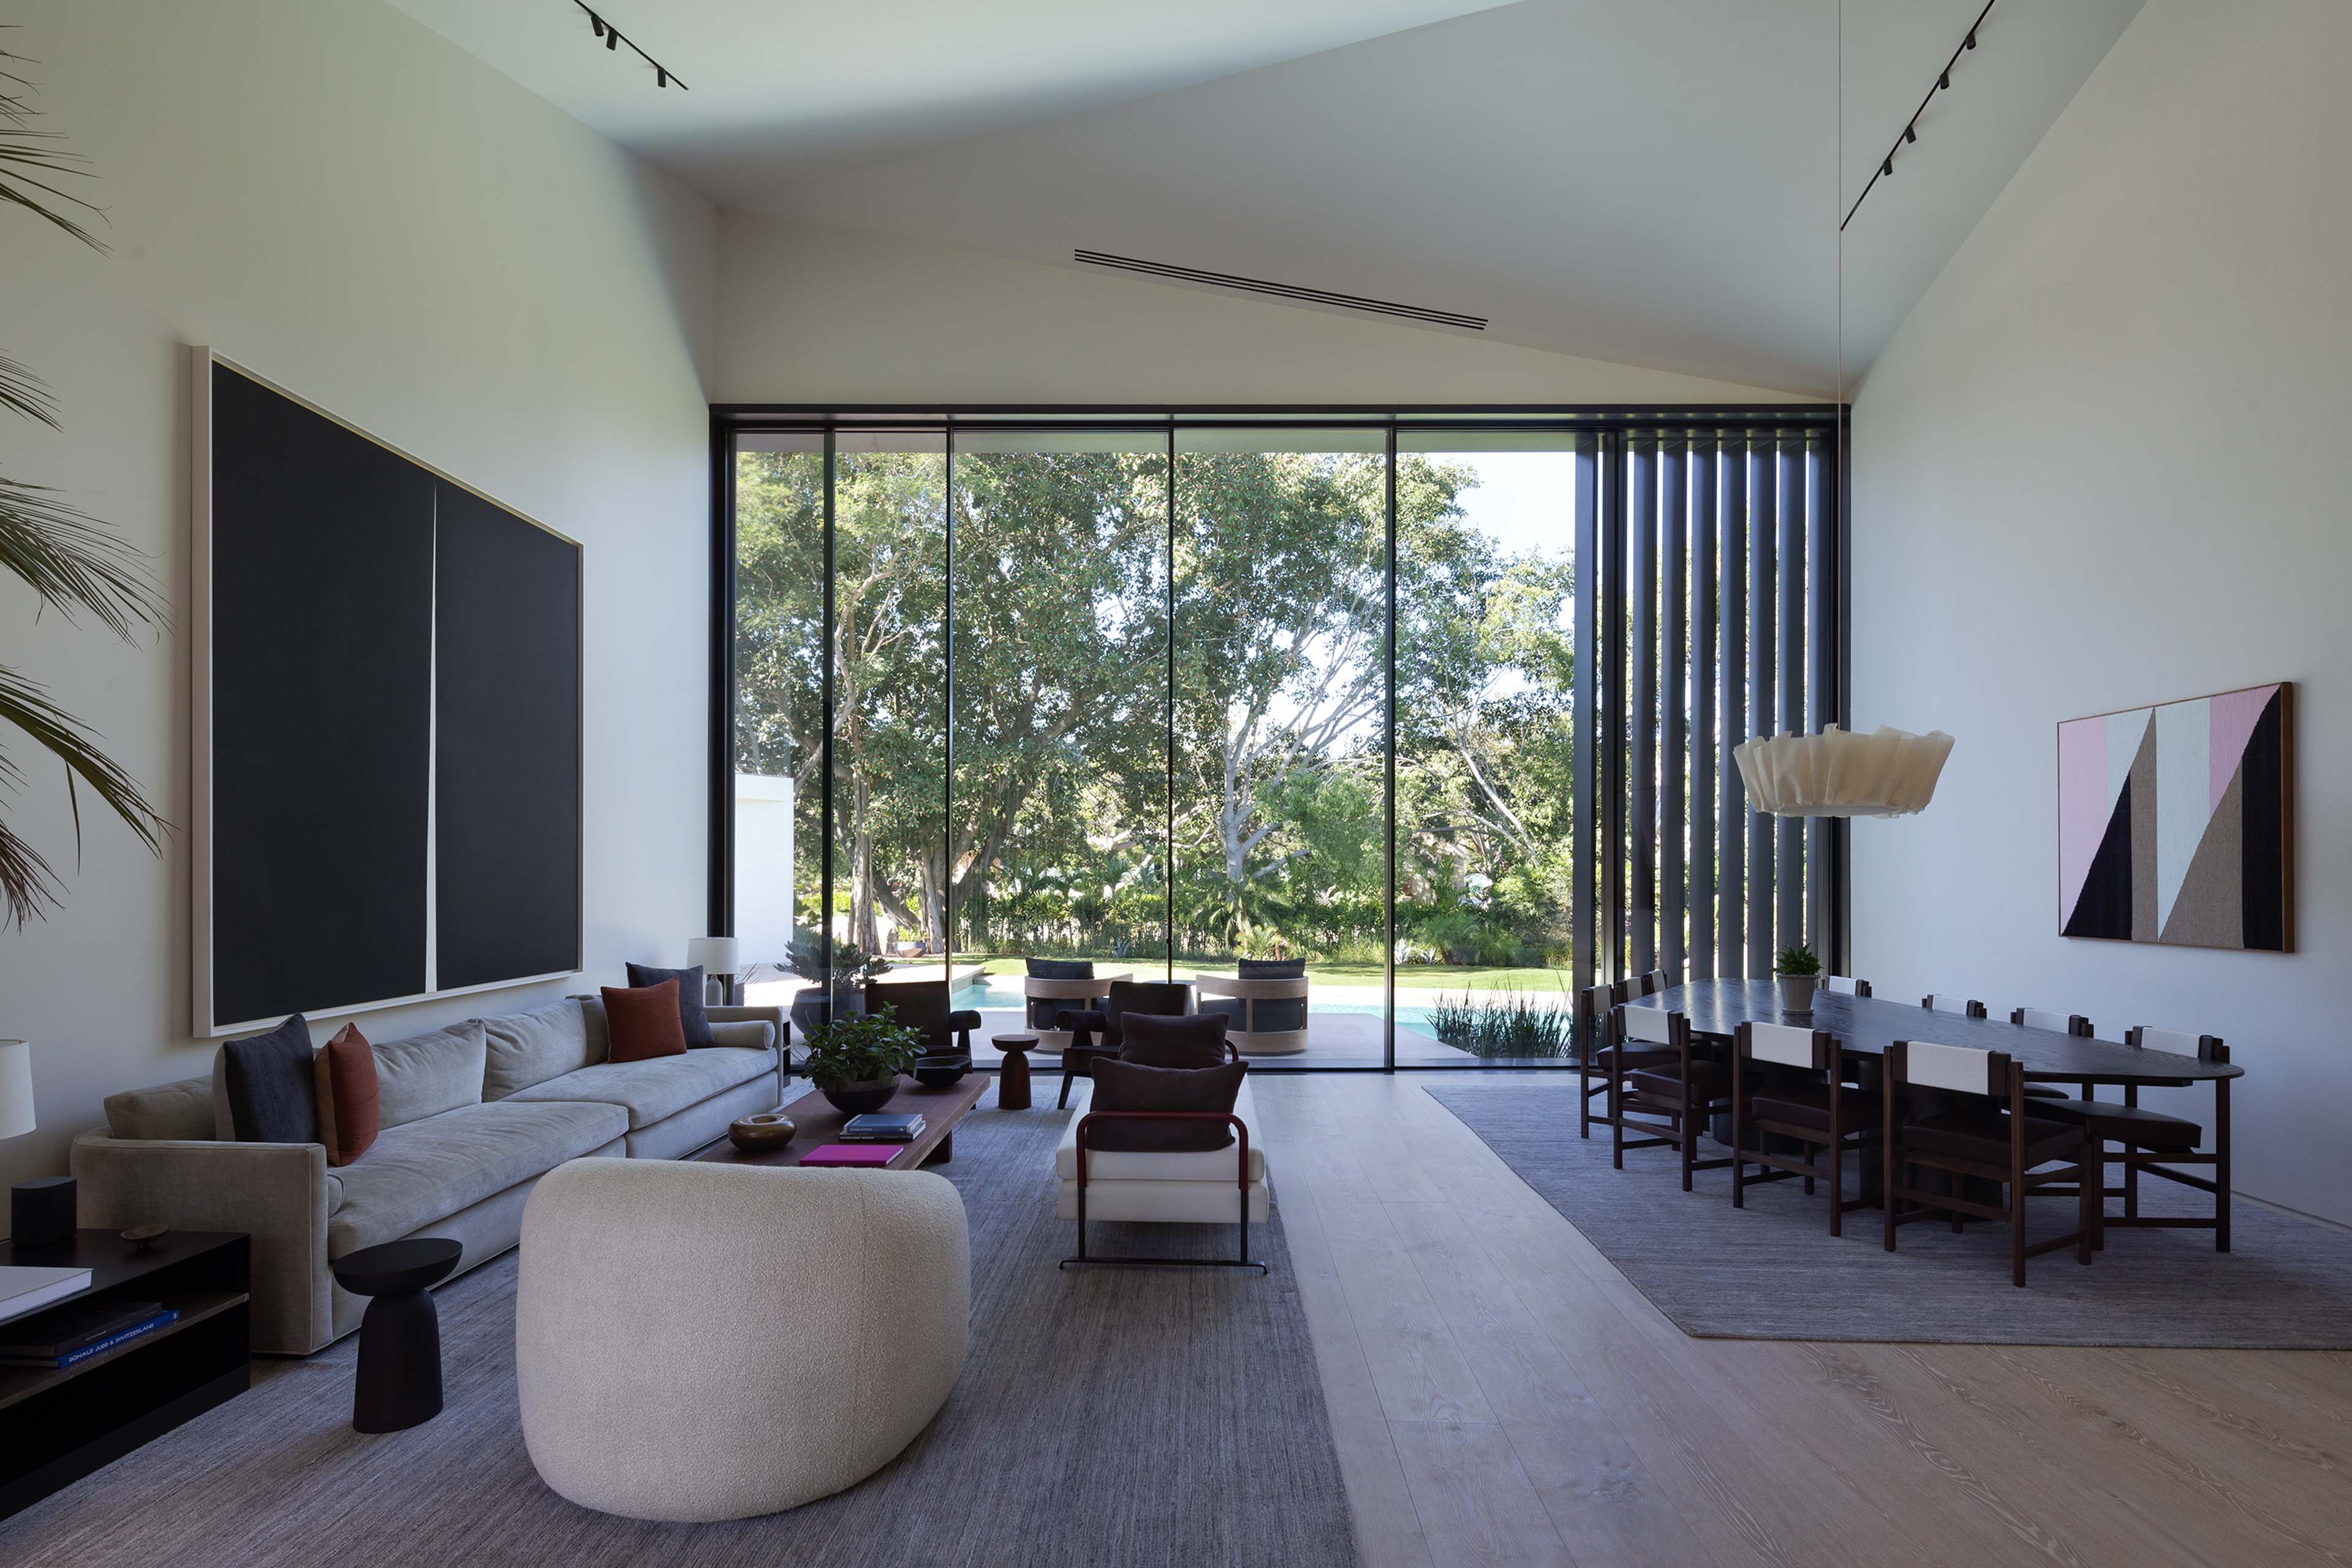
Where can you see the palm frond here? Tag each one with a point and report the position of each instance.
(28, 707)
(72, 561)
(21, 390)
(27, 154)
(27, 885)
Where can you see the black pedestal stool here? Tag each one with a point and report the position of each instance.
(399, 1383)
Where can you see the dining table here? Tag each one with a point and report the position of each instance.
(1868, 1025)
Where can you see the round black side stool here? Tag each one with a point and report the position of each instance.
(399, 1383)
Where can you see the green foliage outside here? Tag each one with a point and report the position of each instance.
(1056, 837)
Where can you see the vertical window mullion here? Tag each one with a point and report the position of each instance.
(1674, 694)
(1789, 873)
(1731, 588)
(1642, 583)
(1610, 634)
(1762, 644)
(1703, 859)
(1584, 791)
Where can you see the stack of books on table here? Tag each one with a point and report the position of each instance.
(883, 1127)
(79, 1329)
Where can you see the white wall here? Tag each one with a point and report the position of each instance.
(2108, 461)
(830, 316)
(353, 208)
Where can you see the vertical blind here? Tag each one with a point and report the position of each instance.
(1708, 611)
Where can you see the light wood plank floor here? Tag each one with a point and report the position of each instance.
(1501, 1394)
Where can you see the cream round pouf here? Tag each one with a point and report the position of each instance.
(704, 1342)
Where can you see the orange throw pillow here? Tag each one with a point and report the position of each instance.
(643, 1022)
(345, 1071)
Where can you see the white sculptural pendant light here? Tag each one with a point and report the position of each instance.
(1888, 773)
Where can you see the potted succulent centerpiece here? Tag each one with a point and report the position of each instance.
(855, 1061)
(1797, 972)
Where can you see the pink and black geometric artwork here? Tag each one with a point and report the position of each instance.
(2175, 822)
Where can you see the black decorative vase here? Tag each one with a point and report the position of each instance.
(860, 1099)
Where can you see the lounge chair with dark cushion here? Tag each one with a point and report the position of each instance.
(923, 1005)
(1053, 985)
(1265, 1002)
(1168, 998)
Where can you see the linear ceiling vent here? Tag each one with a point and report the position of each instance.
(1282, 290)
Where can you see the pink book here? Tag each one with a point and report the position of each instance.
(872, 1155)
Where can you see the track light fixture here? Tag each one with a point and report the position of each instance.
(614, 38)
(1911, 127)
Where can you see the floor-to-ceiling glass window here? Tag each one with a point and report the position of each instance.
(1057, 822)
(1383, 732)
(1281, 695)
(1485, 743)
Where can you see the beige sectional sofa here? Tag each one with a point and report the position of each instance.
(471, 1116)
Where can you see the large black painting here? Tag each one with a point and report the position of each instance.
(393, 686)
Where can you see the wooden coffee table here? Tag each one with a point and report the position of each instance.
(818, 1123)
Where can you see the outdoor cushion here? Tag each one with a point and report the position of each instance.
(1194, 1165)
(530, 1047)
(426, 1171)
(1271, 968)
(1984, 1135)
(426, 1075)
(658, 1087)
(1062, 968)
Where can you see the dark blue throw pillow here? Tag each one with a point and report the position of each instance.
(1062, 968)
(689, 998)
(273, 1094)
(1272, 968)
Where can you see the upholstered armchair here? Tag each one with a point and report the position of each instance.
(923, 1005)
(1264, 1004)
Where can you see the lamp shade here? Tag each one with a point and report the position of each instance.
(15, 1088)
(715, 955)
(1888, 773)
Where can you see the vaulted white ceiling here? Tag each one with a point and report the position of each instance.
(1655, 182)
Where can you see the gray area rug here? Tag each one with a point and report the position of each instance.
(1771, 1271)
(1104, 1416)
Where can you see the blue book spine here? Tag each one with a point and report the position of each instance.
(168, 1315)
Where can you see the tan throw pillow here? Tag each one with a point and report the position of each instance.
(345, 1071)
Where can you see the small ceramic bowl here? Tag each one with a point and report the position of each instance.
(762, 1133)
(940, 1071)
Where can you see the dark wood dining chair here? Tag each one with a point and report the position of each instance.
(1676, 1099)
(1649, 985)
(2155, 1144)
(2074, 1024)
(1606, 1058)
(1987, 1135)
(1938, 1002)
(1844, 985)
(1790, 1082)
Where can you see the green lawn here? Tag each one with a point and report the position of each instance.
(1417, 977)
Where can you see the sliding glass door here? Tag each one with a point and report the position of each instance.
(1383, 734)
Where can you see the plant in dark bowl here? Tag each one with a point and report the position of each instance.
(855, 1061)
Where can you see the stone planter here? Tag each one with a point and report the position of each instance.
(1796, 992)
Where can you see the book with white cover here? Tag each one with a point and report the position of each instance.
(26, 1290)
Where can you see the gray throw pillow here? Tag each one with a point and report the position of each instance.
(690, 1014)
(272, 1090)
(1130, 1086)
(1155, 1039)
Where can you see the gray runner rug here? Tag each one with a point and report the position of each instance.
(1105, 1417)
(1771, 1271)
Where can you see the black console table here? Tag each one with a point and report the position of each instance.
(57, 1425)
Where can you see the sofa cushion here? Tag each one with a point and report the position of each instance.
(426, 1075)
(745, 1034)
(427, 1170)
(692, 1020)
(272, 1096)
(1121, 1165)
(1270, 968)
(643, 1022)
(1061, 968)
(524, 1049)
(179, 1109)
(345, 1074)
(651, 1089)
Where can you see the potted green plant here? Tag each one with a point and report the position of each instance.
(855, 1061)
(1797, 972)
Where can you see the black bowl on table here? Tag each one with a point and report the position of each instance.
(942, 1069)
